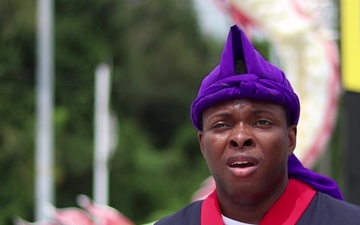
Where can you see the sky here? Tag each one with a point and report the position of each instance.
(213, 22)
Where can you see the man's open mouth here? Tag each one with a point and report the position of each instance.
(241, 164)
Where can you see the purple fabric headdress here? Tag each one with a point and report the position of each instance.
(244, 73)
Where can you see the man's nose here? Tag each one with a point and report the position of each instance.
(241, 137)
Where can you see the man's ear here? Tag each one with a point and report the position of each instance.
(200, 139)
(292, 131)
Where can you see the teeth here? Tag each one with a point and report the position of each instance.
(240, 163)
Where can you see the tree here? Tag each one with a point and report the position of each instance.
(158, 57)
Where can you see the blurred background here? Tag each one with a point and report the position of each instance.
(154, 54)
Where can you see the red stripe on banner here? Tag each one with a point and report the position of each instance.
(210, 211)
(318, 147)
(291, 205)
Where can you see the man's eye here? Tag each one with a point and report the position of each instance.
(219, 125)
(263, 122)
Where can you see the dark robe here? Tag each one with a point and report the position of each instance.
(322, 209)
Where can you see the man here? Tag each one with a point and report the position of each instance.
(246, 113)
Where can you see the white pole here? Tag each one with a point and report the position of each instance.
(44, 130)
(101, 132)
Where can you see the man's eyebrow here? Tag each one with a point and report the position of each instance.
(220, 114)
(261, 111)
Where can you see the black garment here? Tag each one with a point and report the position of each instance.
(322, 210)
(190, 215)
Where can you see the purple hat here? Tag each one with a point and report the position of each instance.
(244, 73)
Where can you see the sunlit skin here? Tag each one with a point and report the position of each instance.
(246, 145)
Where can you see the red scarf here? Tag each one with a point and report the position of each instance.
(286, 210)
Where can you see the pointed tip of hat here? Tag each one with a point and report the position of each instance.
(237, 46)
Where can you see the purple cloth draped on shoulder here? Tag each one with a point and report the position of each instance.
(258, 80)
(317, 181)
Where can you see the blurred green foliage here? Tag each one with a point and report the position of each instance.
(158, 57)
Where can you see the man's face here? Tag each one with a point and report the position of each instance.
(246, 145)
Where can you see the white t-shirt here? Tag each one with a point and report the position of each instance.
(228, 221)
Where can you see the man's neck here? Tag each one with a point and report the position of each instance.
(249, 210)
(287, 209)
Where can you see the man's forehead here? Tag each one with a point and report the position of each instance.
(237, 104)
